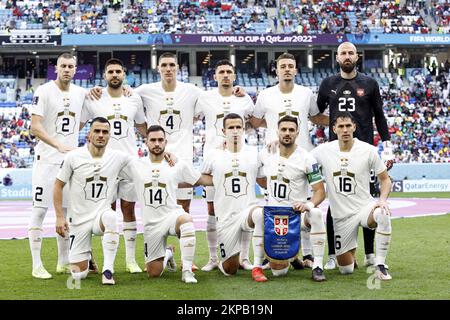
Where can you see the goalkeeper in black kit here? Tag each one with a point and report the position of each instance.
(360, 95)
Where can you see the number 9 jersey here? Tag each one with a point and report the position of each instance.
(347, 175)
(60, 112)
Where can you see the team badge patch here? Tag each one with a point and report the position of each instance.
(360, 92)
(281, 232)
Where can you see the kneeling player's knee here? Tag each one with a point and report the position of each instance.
(185, 218)
(383, 221)
(280, 272)
(109, 220)
(347, 269)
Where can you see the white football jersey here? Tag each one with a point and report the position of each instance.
(288, 178)
(215, 107)
(91, 181)
(347, 175)
(272, 105)
(156, 185)
(234, 178)
(174, 111)
(122, 114)
(60, 112)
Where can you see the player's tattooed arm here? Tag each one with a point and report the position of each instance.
(62, 227)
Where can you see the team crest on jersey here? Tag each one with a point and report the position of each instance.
(281, 225)
(96, 188)
(360, 92)
(347, 92)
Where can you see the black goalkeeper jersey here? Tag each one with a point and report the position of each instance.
(361, 97)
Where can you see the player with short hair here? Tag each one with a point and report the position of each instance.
(288, 174)
(288, 98)
(214, 105)
(346, 164)
(91, 173)
(55, 121)
(156, 183)
(234, 172)
(358, 94)
(124, 113)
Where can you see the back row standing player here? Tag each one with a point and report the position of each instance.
(214, 105)
(55, 121)
(358, 94)
(288, 98)
(124, 113)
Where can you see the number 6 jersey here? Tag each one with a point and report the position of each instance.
(234, 177)
(91, 181)
(347, 175)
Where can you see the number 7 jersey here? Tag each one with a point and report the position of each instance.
(347, 175)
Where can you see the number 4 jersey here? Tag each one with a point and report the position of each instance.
(347, 175)
(60, 112)
(91, 181)
(234, 177)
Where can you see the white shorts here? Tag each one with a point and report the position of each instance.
(346, 229)
(155, 236)
(81, 238)
(229, 234)
(208, 193)
(126, 191)
(43, 181)
(185, 193)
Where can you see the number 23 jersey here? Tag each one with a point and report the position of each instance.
(347, 175)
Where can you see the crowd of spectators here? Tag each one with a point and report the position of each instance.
(440, 12)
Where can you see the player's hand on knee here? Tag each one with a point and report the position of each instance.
(127, 91)
(62, 226)
(95, 93)
(384, 206)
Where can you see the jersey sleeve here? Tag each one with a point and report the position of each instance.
(322, 98)
(380, 119)
(65, 170)
(313, 109)
(199, 107)
(261, 158)
(316, 153)
(207, 165)
(39, 102)
(312, 170)
(249, 107)
(127, 171)
(259, 111)
(86, 111)
(140, 115)
(375, 161)
(187, 173)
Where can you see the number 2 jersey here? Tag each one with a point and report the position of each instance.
(234, 177)
(288, 178)
(156, 185)
(60, 112)
(91, 181)
(122, 113)
(347, 175)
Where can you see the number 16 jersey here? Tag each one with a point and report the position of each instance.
(347, 175)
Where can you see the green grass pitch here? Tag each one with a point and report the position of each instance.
(418, 260)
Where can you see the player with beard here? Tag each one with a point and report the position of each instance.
(124, 113)
(358, 94)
